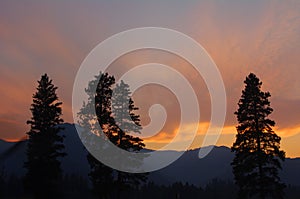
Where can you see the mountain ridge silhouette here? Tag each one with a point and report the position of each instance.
(188, 168)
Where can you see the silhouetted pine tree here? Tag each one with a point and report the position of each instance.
(257, 147)
(107, 182)
(99, 93)
(45, 145)
(127, 122)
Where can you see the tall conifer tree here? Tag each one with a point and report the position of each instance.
(99, 93)
(45, 145)
(107, 182)
(257, 147)
(126, 123)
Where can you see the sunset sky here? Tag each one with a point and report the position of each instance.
(54, 37)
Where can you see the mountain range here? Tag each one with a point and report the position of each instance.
(188, 168)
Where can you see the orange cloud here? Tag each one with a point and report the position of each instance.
(287, 132)
(290, 138)
(185, 135)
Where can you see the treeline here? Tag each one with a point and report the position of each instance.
(76, 187)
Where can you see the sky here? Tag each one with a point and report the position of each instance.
(54, 37)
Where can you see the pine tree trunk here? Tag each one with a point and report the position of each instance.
(261, 194)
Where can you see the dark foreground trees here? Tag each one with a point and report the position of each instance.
(43, 176)
(2, 181)
(257, 147)
(115, 114)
